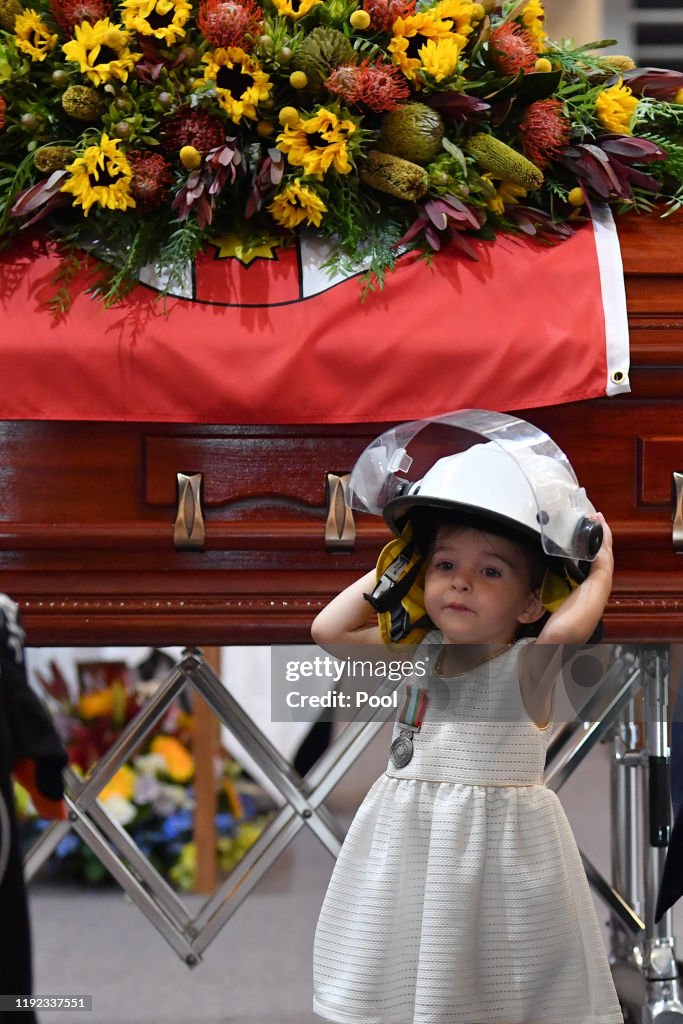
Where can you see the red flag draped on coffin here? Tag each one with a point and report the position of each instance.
(274, 340)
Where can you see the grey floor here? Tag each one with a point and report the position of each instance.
(258, 970)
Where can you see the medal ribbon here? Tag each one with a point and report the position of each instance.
(414, 707)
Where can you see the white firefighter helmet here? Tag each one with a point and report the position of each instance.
(495, 467)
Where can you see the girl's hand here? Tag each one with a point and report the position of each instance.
(604, 560)
(575, 621)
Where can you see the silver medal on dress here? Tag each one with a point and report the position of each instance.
(401, 750)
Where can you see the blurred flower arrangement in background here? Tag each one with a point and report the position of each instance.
(140, 130)
(152, 795)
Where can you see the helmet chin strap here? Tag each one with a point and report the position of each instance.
(398, 597)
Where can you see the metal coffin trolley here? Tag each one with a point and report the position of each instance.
(643, 953)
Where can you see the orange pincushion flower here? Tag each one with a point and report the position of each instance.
(511, 49)
(383, 13)
(69, 13)
(228, 23)
(544, 131)
(373, 84)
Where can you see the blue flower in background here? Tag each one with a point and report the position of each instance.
(175, 824)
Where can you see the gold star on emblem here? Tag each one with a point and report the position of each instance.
(245, 250)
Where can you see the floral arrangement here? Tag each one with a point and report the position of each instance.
(152, 795)
(140, 130)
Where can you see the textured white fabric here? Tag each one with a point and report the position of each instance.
(459, 896)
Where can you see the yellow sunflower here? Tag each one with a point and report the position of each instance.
(241, 82)
(295, 203)
(162, 19)
(615, 108)
(533, 19)
(318, 143)
(439, 57)
(178, 760)
(32, 36)
(101, 51)
(295, 9)
(101, 177)
(412, 32)
(462, 13)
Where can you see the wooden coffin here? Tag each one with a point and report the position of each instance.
(89, 510)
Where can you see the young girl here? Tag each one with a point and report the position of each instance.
(459, 896)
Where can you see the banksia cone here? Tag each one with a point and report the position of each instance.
(619, 62)
(53, 158)
(413, 131)
(82, 103)
(504, 162)
(3, 108)
(397, 177)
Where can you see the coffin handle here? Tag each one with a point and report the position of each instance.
(340, 527)
(189, 533)
(677, 501)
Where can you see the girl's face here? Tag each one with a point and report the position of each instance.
(477, 587)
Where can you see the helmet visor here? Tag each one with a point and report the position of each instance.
(395, 462)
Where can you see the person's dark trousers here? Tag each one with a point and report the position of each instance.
(15, 936)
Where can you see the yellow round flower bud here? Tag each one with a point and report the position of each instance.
(288, 116)
(576, 197)
(543, 65)
(265, 128)
(478, 12)
(678, 98)
(190, 157)
(298, 79)
(360, 20)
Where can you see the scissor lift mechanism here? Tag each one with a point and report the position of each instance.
(642, 953)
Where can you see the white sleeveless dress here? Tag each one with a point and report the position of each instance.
(459, 896)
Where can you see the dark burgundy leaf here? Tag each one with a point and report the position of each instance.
(458, 106)
(661, 83)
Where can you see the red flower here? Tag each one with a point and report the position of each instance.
(544, 131)
(69, 13)
(151, 177)
(511, 49)
(383, 13)
(188, 127)
(230, 22)
(3, 108)
(371, 83)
